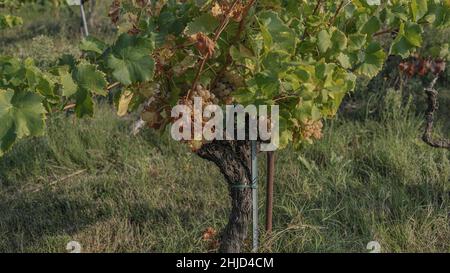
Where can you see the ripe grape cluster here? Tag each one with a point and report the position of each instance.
(311, 129)
(223, 90)
(207, 98)
(221, 8)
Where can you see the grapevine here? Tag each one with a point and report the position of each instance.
(14, 4)
(418, 66)
(303, 56)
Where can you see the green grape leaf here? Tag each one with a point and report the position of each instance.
(400, 12)
(419, 8)
(205, 23)
(243, 55)
(401, 47)
(408, 38)
(182, 66)
(45, 86)
(91, 44)
(69, 87)
(371, 26)
(335, 103)
(130, 59)
(25, 75)
(84, 105)
(268, 85)
(9, 66)
(286, 135)
(356, 41)
(21, 114)
(323, 41)
(339, 40)
(344, 60)
(277, 35)
(67, 60)
(275, 63)
(372, 60)
(413, 33)
(244, 96)
(36, 80)
(89, 78)
(324, 70)
(315, 112)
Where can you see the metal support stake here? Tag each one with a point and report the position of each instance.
(269, 196)
(255, 195)
(83, 17)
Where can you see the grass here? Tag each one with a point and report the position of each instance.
(46, 40)
(92, 182)
(370, 178)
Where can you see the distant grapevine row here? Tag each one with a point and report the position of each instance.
(11, 4)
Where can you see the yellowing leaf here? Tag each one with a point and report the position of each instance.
(323, 41)
(124, 101)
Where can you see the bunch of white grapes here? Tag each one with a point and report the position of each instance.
(311, 129)
(207, 99)
(223, 90)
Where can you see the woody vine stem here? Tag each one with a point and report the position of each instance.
(433, 105)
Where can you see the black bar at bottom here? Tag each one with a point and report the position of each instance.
(223, 262)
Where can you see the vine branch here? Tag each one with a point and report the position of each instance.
(316, 9)
(338, 10)
(385, 31)
(219, 31)
(235, 40)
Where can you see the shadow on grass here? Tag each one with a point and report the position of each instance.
(27, 218)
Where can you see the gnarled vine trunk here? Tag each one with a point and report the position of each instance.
(432, 95)
(234, 161)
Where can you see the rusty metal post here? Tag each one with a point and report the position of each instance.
(269, 190)
(255, 195)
